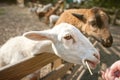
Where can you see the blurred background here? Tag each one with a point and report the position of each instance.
(19, 16)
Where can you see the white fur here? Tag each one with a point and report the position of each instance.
(53, 19)
(44, 8)
(74, 50)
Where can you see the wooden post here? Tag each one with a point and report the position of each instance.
(20, 3)
(115, 16)
(57, 63)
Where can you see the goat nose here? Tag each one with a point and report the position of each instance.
(108, 42)
(97, 56)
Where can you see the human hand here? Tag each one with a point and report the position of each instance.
(112, 73)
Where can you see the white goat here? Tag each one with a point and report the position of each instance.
(52, 19)
(44, 8)
(66, 42)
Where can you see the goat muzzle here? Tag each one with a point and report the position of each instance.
(108, 42)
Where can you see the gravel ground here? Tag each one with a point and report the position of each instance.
(15, 21)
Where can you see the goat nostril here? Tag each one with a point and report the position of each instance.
(97, 56)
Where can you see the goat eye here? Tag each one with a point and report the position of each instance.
(93, 23)
(68, 37)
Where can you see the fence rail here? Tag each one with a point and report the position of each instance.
(25, 67)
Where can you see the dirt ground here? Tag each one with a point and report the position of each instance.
(15, 21)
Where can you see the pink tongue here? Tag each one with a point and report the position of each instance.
(117, 73)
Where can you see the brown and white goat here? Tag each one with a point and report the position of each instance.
(93, 22)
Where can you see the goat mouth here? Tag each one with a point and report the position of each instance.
(91, 64)
(106, 44)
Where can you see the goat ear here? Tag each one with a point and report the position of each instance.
(80, 17)
(95, 9)
(39, 35)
